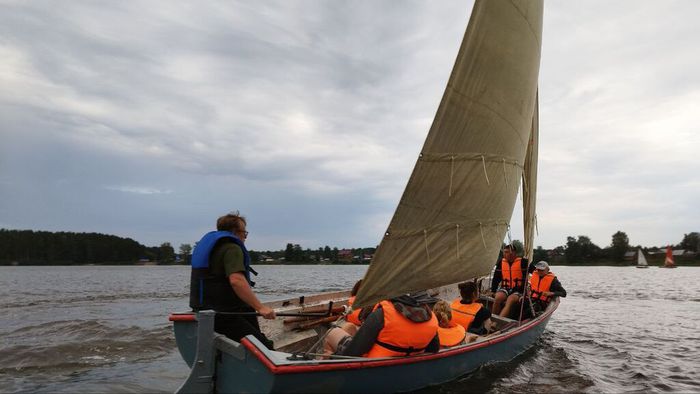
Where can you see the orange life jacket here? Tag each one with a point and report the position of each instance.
(464, 314)
(354, 316)
(401, 336)
(540, 285)
(452, 335)
(511, 274)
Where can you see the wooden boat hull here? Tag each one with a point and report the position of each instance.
(250, 367)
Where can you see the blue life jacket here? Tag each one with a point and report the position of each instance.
(210, 291)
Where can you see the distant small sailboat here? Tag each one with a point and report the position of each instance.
(668, 262)
(641, 260)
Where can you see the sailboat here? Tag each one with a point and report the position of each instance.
(668, 261)
(641, 260)
(448, 228)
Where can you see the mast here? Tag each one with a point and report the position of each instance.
(530, 185)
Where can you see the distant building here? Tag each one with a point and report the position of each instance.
(631, 255)
(345, 255)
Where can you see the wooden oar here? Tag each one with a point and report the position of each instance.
(297, 319)
(327, 312)
(314, 323)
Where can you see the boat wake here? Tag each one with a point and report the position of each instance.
(92, 298)
(546, 368)
(80, 344)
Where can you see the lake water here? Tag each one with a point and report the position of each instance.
(105, 329)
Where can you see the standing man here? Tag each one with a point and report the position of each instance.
(508, 281)
(221, 280)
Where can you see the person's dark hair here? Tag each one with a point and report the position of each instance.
(231, 222)
(356, 288)
(467, 290)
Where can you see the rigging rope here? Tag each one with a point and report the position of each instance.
(452, 171)
(486, 174)
(459, 255)
(482, 236)
(425, 238)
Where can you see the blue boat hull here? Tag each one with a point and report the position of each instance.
(250, 367)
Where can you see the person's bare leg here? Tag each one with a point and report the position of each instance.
(499, 298)
(350, 328)
(330, 344)
(512, 300)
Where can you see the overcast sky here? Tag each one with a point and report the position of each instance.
(150, 119)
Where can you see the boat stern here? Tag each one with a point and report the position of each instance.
(185, 326)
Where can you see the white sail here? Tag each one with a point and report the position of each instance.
(641, 260)
(455, 210)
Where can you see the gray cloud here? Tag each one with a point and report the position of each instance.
(149, 119)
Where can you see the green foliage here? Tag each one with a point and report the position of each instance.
(66, 248)
(619, 246)
(539, 254)
(166, 253)
(186, 253)
(581, 250)
(691, 242)
(294, 253)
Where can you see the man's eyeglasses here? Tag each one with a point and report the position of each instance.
(245, 233)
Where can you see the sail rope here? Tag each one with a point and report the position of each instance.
(528, 294)
(459, 256)
(505, 173)
(425, 238)
(486, 174)
(481, 229)
(452, 171)
(322, 338)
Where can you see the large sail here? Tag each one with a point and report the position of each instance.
(453, 215)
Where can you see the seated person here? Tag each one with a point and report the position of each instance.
(449, 333)
(354, 316)
(543, 286)
(468, 312)
(508, 281)
(402, 326)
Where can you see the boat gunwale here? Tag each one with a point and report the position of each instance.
(332, 365)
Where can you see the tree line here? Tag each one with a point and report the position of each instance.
(27, 247)
(581, 250)
(68, 248)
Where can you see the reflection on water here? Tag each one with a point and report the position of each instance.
(87, 329)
